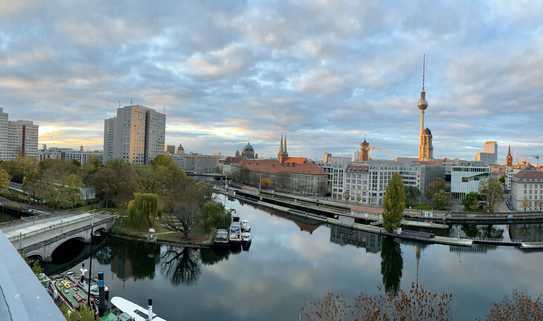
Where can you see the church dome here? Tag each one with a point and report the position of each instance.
(248, 148)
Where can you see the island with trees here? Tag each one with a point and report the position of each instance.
(158, 197)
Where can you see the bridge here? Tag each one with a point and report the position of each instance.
(40, 238)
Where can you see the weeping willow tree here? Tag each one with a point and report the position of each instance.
(143, 211)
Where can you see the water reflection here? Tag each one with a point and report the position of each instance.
(344, 235)
(181, 265)
(135, 260)
(391, 265)
(526, 232)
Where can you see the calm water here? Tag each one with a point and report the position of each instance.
(292, 262)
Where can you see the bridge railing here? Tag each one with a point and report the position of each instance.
(62, 224)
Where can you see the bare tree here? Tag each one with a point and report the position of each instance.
(331, 308)
(414, 304)
(518, 307)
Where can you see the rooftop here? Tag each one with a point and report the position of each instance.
(272, 166)
(530, 174)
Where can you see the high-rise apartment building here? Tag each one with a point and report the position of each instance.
(136, 135)
(3, 135)
(489, 155)
(22, 139)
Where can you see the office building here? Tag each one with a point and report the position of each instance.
(466, 177)
(136, 135)
(489, 155)
(197, 163)
(366, 182)
(527, 190)
(82, 156)
(22, 139)
(170, 149)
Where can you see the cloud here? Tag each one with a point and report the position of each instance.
(327, 72)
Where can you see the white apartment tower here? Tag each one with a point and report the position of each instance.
(22, 138)
(136, 135)
(3, 135)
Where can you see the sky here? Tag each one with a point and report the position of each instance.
(326, 73)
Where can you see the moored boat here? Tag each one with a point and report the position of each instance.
(125, 310)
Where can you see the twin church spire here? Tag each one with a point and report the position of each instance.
(282, 155)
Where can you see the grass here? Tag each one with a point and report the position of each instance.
(198, 235)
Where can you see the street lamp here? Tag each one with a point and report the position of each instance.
(90, 264)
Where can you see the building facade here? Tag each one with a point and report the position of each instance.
(527, 190)
(197, 163)
(22, 139)
(287, 174)
(489, 155)
(466, 177)
(81, 156)
(366, 182)
(136, 135)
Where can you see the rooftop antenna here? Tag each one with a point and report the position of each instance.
(423, 70)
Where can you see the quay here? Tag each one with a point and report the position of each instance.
(349, 224)
(441, 218)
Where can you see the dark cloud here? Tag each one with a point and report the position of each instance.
(327, 72)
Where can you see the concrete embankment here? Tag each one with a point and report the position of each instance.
(356, 226)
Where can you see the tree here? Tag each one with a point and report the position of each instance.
(394, 203)
(266, 183)
(84, 313)
(56, 182)
(4, 179)
(116, 183)
(20, 168)
(37, 268)
(438, 194)
(143, 211)
(413, 304)
(492, 189)
(412, 196)
(471, 202)
(185, 203)
(519, 307)
(214, 215)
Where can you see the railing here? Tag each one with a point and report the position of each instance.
(62, 225)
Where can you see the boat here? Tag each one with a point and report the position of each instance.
(221, 237)
(125, 310)
(48, 284)
(245, 227)
(246, 237)
(71, 294)
(235, 233)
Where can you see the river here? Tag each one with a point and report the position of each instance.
(291, 262)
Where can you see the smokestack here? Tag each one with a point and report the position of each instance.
(150, 312)
(101, 294)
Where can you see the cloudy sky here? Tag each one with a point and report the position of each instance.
(328, 73)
